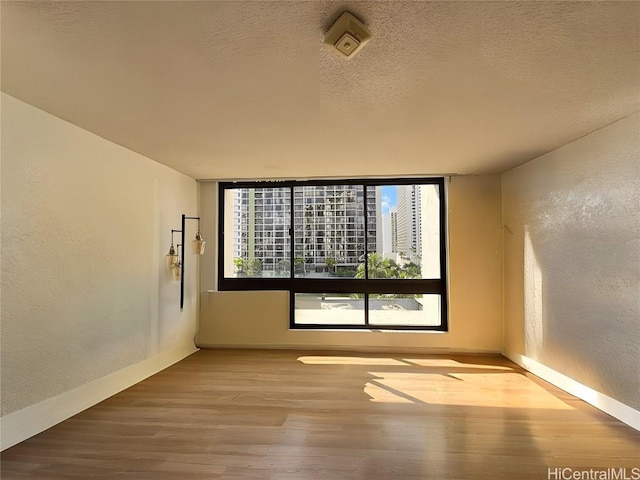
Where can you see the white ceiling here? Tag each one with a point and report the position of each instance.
(247, 89)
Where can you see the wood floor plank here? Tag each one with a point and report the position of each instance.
(256, 415)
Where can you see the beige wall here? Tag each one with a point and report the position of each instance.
(262, 318)
(572, 260)
(208, 198)
(85, 227)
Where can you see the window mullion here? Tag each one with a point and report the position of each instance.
(366, 310)
(365, 205)
(292, 244)
(366, 235)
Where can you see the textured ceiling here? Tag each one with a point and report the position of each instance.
(247, 89)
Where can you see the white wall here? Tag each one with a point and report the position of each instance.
(261, 319)
(85, 227)
(572, 261)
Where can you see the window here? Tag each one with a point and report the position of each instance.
(353, 253)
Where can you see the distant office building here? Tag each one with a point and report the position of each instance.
(409, 223)
(415, 228)
(393, 213)
(389, 233)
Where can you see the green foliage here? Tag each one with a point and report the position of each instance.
(378, 267)
(385, 296)
(381, 267)
(283, 267)
(251, 267)
(331, 264)
(409, 270)
(345, 272)
(299, 262)
(238, 262)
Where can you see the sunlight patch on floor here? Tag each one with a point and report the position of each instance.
(466, 389)
(331, 360)
(448, 362)
(380, 394)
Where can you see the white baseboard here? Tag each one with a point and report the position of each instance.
(22, 424)
(350, 348)
(608, 405)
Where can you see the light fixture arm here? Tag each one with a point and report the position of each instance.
(172, 232)
(184, 219)
(172, 257)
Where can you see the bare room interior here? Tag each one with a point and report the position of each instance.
(320, 240)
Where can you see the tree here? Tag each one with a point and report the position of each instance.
(240, 265)
(331, 263)
(391, 268)
(375, 266)
(299, 262)
(248, 267)
(410, 270)
(283, 267)
(254, 267)
(382, 267)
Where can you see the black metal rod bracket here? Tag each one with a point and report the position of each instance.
(182, 231)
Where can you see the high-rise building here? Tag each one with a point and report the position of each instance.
(415, 228)
(260, 227)
(393, 213)
(389, 233)
(409, 223)
(329, 226)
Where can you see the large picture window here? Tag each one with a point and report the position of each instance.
(368, 254)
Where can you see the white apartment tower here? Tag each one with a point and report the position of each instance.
(408, 241)
(261, 226)
(329, 225)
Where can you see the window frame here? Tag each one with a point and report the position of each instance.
(365, 286)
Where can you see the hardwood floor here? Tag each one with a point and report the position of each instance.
(286, 415)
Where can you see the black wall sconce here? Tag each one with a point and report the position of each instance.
(175, 257)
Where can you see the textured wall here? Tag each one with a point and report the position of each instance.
(262, 318)
(85, 226)
(572, 260)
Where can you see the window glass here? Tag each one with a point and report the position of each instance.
(257, 242)
(393, 309)
(328, 231)
(379, 243)
(403, 232)
(329, 309)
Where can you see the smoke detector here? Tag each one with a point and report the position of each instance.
(347, 35)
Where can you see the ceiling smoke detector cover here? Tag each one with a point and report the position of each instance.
(347, 35)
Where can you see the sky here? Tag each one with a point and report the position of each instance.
(389, 198)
